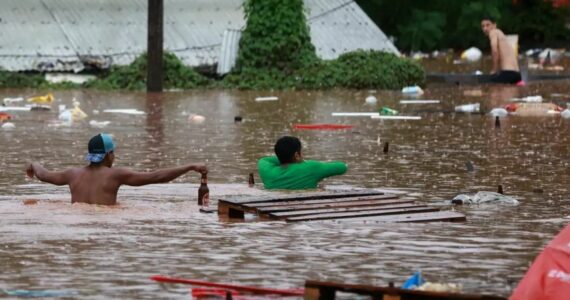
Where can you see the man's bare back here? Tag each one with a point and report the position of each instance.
(99, 182)
(506, 52)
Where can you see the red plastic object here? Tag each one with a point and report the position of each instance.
(549, 275)
(241, 288)
(5, 116)
(511, 107)
(521, 83)
(321, 126)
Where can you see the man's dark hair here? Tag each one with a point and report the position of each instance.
(489, 18)
(286, 147)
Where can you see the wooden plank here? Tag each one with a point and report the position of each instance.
(320, 201)
(370, 213)
(272, 209)
(284, 215)
(311, 286)
(230, 210)
(301, 196)
(439, 216)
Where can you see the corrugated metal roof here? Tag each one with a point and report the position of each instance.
(229, 51)
(62, 34)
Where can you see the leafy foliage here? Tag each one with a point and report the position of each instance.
(20, 80)
(276, 36)
(425, 30)
(133, 76)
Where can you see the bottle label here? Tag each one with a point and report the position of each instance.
(206, 200)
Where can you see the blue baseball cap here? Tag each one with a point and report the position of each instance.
(98, 147)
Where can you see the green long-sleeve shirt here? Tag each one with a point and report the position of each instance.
(296, 176)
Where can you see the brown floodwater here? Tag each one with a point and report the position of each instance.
(109, 252)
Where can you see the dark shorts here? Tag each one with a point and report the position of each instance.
(511, 77)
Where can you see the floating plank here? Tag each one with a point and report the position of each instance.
(297, 213)
(438, 216)
(419, 101)
(270, 98)
(397, 117)
(320, 201)
(318, 290)
(301, 196)
(379, 212)
(271, 209)
(355, 114)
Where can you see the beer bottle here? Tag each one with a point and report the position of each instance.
(204, 191)
(251, 181)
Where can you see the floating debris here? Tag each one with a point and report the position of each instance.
(271, 98)
(127, 111)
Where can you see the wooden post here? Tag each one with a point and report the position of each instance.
(154, 46)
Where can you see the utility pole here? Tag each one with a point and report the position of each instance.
(154, 46)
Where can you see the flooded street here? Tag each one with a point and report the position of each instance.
(110, 252)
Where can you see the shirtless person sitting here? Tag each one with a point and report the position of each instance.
(505, 65)
(288, 170)
(99, 182)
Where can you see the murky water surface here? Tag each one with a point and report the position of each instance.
(109, 252)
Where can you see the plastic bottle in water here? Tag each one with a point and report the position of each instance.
(386, 111)
(412, 90)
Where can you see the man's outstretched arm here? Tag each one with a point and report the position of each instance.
(57, 178)
(494, 40)
(129, 177)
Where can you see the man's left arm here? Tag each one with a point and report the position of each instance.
(57, 178)
(327, 169)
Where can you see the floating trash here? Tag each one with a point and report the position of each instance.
(484, 197)
(354, 114)
(371, 100)
(8, 126)
(46, 99)
(127, 111)
(468, 108)
(99, 124)
(528, 99)
(396, 117)
(5, 116)
(271, 98)
(472, 54)
(413, 90)
(7, 101)
(419, 101)
(386, 111)
(499, 112)
(196, 119)
(565, 114)
(39, 294)
(15, 108)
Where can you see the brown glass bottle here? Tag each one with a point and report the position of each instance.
(251, 181)
(204, 191)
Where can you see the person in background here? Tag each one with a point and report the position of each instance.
(288, 170)
(99, 182)
(505, 65)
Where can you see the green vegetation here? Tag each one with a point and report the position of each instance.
(441, 24)
(276, 53)
(133, 76)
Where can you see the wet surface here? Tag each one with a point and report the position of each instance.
(109, 252)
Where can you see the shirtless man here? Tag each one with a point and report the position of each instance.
(99, 182)
(505, 65)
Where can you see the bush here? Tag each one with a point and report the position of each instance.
(133, 76)
(364, 69)
(20, 80)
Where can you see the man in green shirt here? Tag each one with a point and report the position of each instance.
(289, 171)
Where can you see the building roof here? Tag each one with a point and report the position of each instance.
(67, 35)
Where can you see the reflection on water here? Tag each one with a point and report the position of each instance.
(105, 252)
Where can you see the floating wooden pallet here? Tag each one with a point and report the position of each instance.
(316, 290)
(334, 205)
